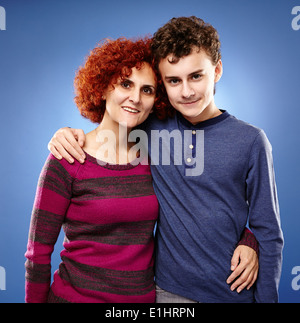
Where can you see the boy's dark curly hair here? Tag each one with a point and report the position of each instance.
(181, 35)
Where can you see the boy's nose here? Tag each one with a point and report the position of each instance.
(187, 91)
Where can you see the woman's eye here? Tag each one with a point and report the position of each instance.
(125, 85)
(148, 90)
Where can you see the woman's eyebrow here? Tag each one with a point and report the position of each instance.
(132, 82)
(126, 79)
(149, 85)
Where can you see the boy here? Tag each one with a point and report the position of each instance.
(203, 210)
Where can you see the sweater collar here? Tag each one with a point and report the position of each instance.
(185, 124)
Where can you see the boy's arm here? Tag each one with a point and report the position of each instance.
(264, 218)
(67, 143)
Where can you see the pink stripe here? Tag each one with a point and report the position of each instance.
(36, 293)
(132, 257)
(127, 210)
(48, 200)
(39, 253)
(93, 172)
(78, 295)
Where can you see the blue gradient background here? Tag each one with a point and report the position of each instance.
(46, 41)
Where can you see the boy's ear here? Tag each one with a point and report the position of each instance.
(218, 71)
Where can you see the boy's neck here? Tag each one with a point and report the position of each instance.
(206, 114)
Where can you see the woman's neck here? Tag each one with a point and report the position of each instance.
(109, 143)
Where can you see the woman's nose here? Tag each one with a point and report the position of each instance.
(135, 96)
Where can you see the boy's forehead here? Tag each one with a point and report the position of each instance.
(196, 60)
(194, 50)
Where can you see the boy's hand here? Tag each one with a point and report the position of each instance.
(244, 265)
(66, 143)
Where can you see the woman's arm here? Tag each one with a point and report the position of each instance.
(51, 203)
(244, 263)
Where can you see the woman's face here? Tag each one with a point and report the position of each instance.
(131, 99)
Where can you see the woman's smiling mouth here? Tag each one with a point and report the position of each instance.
(131, 110)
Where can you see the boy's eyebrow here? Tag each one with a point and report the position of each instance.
(176, 77)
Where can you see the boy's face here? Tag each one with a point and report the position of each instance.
(190, 84)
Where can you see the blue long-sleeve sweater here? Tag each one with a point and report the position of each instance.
(222, 177)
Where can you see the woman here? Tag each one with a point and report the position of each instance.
(107, 208)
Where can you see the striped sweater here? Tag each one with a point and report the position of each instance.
(108, 215)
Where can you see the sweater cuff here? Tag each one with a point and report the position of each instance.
(248, 239)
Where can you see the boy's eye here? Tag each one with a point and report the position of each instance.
(197, 77)
(174, 81)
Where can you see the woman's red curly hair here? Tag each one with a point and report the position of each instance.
(109, 61)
